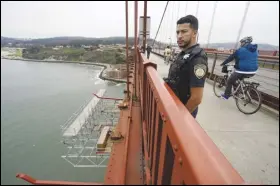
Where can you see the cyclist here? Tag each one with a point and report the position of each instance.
(246, 63)
(167, 54)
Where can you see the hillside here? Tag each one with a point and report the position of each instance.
(109, 55)
(77, 41)
(66, 41)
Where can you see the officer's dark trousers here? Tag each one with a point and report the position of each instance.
(232, 79)
(148, 55)
(194, 113)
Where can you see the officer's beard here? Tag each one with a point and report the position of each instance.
(187, 44)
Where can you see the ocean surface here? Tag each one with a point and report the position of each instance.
(36, 98)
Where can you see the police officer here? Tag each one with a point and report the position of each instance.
(187, 74)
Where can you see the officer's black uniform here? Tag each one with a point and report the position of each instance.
(188, 70)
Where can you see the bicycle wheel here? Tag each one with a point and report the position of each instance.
(251, 99)
(218, 85)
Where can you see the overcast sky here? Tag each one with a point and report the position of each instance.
(41, 19)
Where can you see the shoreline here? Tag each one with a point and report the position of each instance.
(101, 76)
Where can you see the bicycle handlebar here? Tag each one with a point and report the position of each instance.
(228, 65)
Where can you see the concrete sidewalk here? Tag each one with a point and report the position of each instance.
(250, 142)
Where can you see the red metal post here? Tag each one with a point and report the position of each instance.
(145, 25)
(126, 35)
(156, 149)
(33, 181)
(135, 42)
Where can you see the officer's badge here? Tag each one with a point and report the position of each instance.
(186, 56)
(200, 70)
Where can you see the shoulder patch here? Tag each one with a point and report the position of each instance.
(200, 70)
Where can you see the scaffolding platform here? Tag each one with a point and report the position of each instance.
(87, 132)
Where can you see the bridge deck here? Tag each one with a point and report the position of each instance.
(249, 142)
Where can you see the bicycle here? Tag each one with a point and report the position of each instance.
(241, 90)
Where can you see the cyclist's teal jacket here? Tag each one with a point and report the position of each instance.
(246, 58)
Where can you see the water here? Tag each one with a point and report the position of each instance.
(36, 98)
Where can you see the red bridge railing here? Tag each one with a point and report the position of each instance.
(177, 150)
(33, 181)
(262, 54)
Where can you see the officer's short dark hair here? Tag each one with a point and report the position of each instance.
(192, 20)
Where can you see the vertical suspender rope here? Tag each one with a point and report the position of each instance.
(166, 27)
(172, 21)
(212, 23)
(242, 24)
(178, 11)
(197, 7)
(160, 22)
(186, 7)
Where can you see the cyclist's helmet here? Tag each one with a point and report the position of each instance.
(246, 40)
